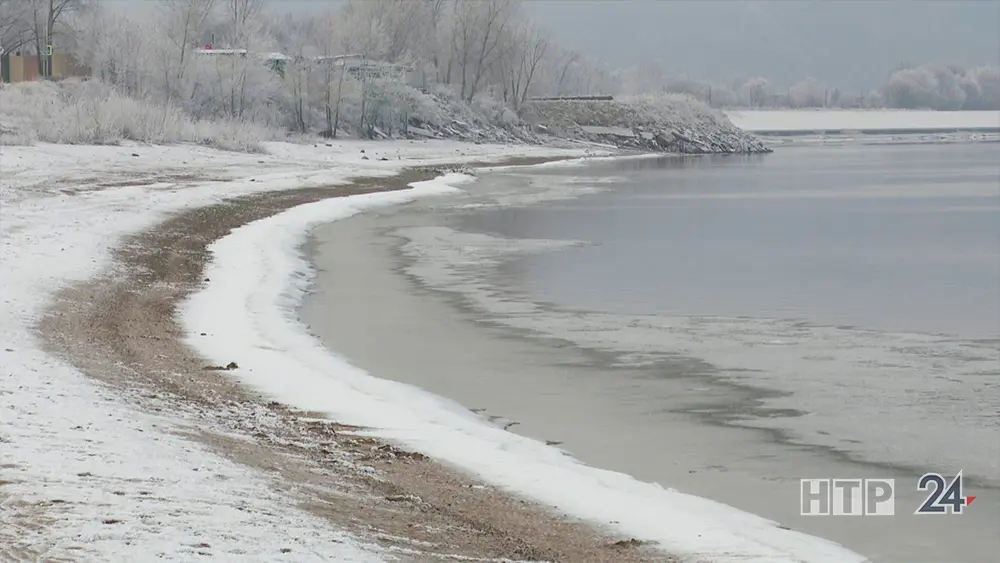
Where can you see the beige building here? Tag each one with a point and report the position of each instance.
(24, 68)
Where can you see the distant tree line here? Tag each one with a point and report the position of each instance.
(929, 86)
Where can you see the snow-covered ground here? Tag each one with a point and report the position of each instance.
(789, 121)
(248, 312)
(83, 475)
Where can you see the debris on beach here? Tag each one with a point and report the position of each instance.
(228, 367)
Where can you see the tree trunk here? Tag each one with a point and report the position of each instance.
(364, 95)
(336, 120)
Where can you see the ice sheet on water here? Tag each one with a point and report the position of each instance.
(524, 189)
(933, 398)
(478, 249)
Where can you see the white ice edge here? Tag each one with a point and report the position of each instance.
(578, 161)
(247, 314)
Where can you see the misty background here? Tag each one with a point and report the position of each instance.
(854, 45)
(851, 44)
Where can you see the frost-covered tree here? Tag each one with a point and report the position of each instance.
(184, 25)
(44, 18)
(694, 88)
(15, 24)
(942, 87)
(116, 49)
(241, 13)
(596, 78)
(722, 97)
(808, 93)
(754, 92)
(328, 81)
(522, 51)
(922, 88)
(566, 72)
(297, 38)
(240, 82)
(436, 43)
(360, 29)
(478, 27)
(984, 90)
(646, 78)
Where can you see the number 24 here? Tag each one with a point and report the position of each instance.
(942, 497)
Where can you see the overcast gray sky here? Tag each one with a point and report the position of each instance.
(852, 44)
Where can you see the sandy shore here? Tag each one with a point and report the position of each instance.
(121, 331)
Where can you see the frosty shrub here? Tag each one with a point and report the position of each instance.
(91, 112)
(495, 111)
(677, 109)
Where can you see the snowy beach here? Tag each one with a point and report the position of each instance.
(105, 453)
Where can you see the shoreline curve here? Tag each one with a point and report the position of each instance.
(259, 277)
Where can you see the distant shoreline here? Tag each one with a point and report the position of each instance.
(868, 122)
(802, 132)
